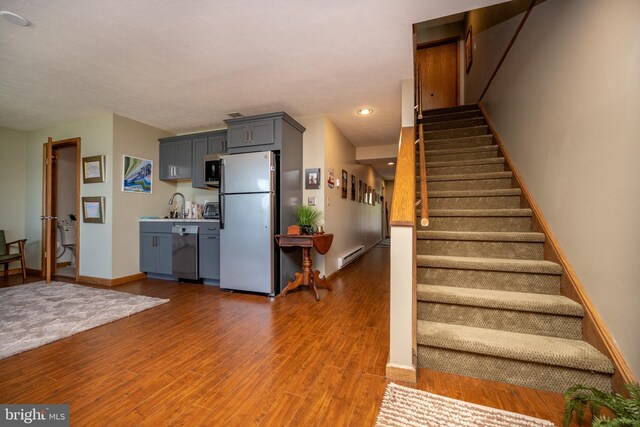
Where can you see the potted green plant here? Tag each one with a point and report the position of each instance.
(625, 411)
(307, 218)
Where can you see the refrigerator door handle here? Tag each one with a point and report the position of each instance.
(221, 204)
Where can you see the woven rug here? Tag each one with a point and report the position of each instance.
(404, 406)
(35, 314)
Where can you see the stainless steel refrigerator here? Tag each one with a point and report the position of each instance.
(247, 221)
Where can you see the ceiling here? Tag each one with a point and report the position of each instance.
(183, 66)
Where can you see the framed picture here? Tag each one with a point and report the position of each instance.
(312, 179)
(93, 168)
(93, 209)
(137, 175)
(360, 192)
(345, 179)
(369, 194)
(353, 187)
(468, 48)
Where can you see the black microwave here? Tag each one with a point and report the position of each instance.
(212, 170)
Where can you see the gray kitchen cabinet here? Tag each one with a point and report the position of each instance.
(209, 252)
(155, 253)
(203, 144)
(175, 158)
(250, 133)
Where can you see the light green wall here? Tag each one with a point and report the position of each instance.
(96, 136)
(566, 102)
(12, 184)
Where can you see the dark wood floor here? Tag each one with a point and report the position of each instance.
(210, 357)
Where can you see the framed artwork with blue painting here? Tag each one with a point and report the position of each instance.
(137, 175)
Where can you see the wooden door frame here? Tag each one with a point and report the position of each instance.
(64, 143)
(440, 42)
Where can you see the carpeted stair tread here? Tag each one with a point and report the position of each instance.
(485, 236)
(513, 345)
(455, 133)
(480, 149)
(489, 264)
(459, 142)
(480, 212)
(506, 300)
(455, 124)
(447, 116)
(472, 162)
(475, 193)
(444, 110)
(470, 176)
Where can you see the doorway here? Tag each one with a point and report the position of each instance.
(440, 73)
(63, 191)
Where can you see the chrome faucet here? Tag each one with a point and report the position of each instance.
(181, 211)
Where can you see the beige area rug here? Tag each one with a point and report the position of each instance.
(404, 406)
(35, 314)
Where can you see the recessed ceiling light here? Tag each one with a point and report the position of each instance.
(391, 163)
(14, 18)
(365, 111)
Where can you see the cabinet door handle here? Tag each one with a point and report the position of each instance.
(212, 237)
(246, 136)
(250, 135)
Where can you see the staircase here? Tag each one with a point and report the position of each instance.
(489, 305)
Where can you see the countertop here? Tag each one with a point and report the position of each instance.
(177, 220)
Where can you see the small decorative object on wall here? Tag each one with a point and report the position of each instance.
(353, 187)
(468, 48)
(360, 192)
(331, 180)
(93, 168)
(345, 178)
(93, 209)
(137, 175)
(312, 179)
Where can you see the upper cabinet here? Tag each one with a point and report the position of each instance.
(257, 133)
(175, 157)
(203, 144)
(182, 157)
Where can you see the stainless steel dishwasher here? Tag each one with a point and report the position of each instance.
(184, 251)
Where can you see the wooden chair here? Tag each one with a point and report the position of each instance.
(6, 257)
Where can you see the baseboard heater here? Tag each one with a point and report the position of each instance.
(343, 261)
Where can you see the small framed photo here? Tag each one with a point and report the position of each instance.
(312, 179)
(93, 209)
(353, 187)
(93, 168)
(345, 180)
(137, 175)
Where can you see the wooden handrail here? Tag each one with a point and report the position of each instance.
(419, 91)
(424, 205)
(403, 211)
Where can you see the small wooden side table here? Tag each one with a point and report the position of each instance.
(321, 243)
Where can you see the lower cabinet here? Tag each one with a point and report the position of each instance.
(156, 249)
(155, 253)
(209, 256)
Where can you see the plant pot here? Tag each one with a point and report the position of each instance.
(308, 229)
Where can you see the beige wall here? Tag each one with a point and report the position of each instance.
(567, 102)
(352, 223)
(13, 186)
(134, 139)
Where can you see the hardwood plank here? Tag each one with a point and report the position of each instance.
(210, 357)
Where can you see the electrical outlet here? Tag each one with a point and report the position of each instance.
(311, 201)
